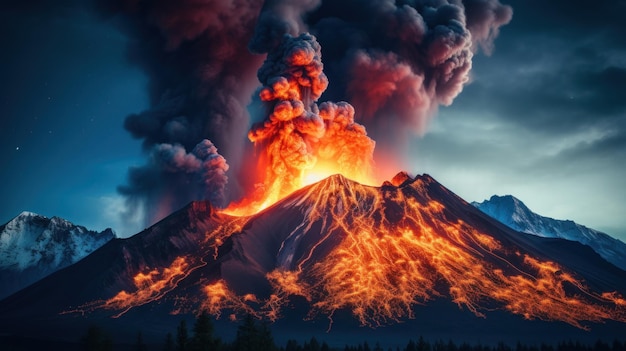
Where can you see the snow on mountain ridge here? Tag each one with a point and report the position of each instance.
(33, 246)
(515, 214)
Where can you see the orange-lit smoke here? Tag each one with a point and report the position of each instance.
(300, 142)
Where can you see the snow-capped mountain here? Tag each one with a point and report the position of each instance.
(512, 212)
(409, 255)
(33, 246)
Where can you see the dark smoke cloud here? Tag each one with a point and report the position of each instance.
(199, 174)
(484, 19)
(277, 18)
(402, 58)
(201, 78)
(395, 60)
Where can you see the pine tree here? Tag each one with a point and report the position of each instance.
(266, 340)
(96, 340)
(140, 345)
(422, 345)
(182, 337)
(314, 345)
(203, 339)
(169, 343)
(292, 345)
(247, 335)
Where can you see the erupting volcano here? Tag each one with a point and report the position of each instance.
(382, 254)
(377, 252)
(316, 239)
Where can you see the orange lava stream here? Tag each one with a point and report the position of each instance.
(151, 286)
(382, 270)
(219, 298)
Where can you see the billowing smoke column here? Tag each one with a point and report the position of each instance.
(395, 61)
(403, 58)
(297, 135)
(201, 78)
(200, 173)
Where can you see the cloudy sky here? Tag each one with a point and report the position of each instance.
(544, 118)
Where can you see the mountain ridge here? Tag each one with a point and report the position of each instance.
(33, 246)
(515, 214)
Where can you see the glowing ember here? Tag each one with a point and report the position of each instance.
(150, 286)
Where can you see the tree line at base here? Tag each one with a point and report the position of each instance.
(256, 336)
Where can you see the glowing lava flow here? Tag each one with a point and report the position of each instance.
(219, 298)
(150, 286)
(153, 284)
(397, 247)
(378, 252)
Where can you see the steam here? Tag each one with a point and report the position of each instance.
(395, 61)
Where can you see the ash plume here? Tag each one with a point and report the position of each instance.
(395, 61)
(403, 58)
(297, 133)
(197, 175)
(201, 77)
(277, 18)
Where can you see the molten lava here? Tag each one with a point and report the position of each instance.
(378, 252)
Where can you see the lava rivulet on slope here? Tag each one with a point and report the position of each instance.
(377, 252)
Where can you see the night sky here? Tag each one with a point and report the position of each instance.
(543, 119)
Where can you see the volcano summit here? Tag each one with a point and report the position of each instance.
(409, 255)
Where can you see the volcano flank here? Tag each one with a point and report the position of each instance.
(409, 256)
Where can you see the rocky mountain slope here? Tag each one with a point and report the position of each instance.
(33, 246)
(516, 215)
